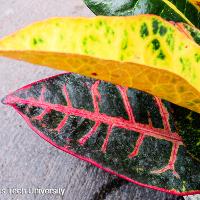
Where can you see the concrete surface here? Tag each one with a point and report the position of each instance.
(26, 161)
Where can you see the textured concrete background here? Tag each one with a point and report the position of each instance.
(26, 161)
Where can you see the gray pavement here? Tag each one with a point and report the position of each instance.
(26, 161)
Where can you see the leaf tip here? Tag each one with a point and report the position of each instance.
(4, 100)
(7, 100)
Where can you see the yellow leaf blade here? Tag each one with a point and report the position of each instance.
(143, 52)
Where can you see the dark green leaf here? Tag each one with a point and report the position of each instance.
(124, 131)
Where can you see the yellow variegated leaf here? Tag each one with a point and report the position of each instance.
(143, 52)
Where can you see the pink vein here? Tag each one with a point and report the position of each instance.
(164, 114)
(84, 139)
(64, 89)
(62, 123)
(96, 96)
(105, 144)
(172, 161)
(137, 146)
(42, 97)
(149, 119)
(40, 117)
(126, 101)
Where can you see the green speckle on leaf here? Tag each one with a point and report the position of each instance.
(84, 42)
(34, 41)
(37, 41)
(92, 38)
(155, 44)
(144, 30)
(132, 27)
(181, 46)
(158, 27)
(161, 55)
(86, 51)
(99, 24)
(107, 29)
(124, 44)
(194, 76)
(184, 186)
(163, 30)
(197, 57)
(112, 32)
(182, 62)
(189, 117)
(186, 65)
(170, 41)
(125, 40)
(155, 26)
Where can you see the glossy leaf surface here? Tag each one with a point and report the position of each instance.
(166, 64)
(124, 131)
(187, 11)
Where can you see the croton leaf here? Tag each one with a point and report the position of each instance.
(124, 131)
(165, 65)
(187, 11)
